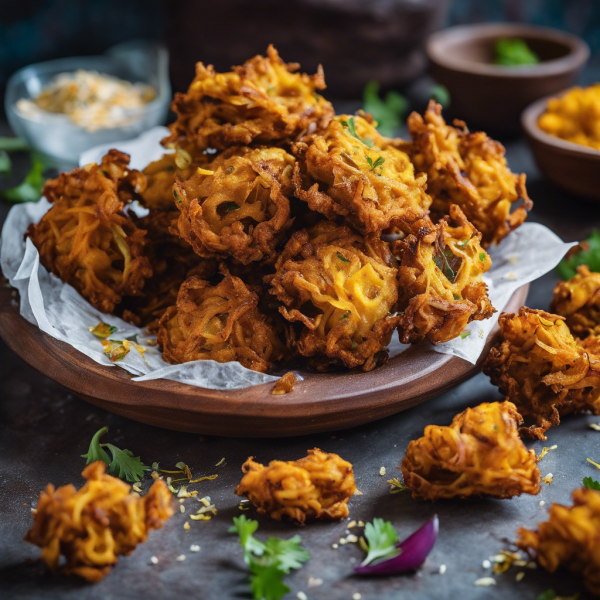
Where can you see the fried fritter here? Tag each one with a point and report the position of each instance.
(94, 525)
(578, 300)
(340, 288)
(238, 205)
(538, 366)
(350, 171)
(570, 538)
(318, 486)
(218, 322)
(263, 101)
(468, 169)
(87, 240)
(440, 283)
(480, 453)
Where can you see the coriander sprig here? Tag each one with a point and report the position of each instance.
(350, 125)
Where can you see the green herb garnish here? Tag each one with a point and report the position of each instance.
(482, 256)
(229, 206)
(123, 464)
(440, 94)
(514, 52)
(342, 257)
(30, 189)
(389, 112)
(13, 144)
(377, 163)
(547, 595)
(589, 254)
(444, 259)
(102, 330)
(464, 244)
(115, 350)
(382, 539)
(590, 483)
(5, 163)
(464, 334)
(268, 562)
(346, 314)
(351, 127)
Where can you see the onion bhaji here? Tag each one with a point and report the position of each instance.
(538, 366)
(218, 322)
(238, 205)
(87, 240)
(340, 288)
(440, 282)
(94, 525)
(468, 169)
(570, 538)
(349, 170)
(578, 300)
(263, 101)
(479, 453)
(317, 486)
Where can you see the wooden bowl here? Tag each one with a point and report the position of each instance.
(493, 96)
(572, 167)
(321, 402)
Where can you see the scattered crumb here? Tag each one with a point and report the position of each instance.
(363, 543)
(220, 462)
(512, 259)
(186, 525)
(343, 541)
(352, 539)
(532, 565)
(242, 507)
(548, 478)
(382, 471)
(181, 508)
(136, 487)
(442, 569)
(194, 548)
(595, 426)
(356, 596)
(285, 385)
(153, 560)
(334, 546)
(352, 524)
(520, 575)
(180, 558)
(301, 596)
(314, 582)
(487, 564)
(361, 523)
(485, 581)
(545, 451)
(542, 503)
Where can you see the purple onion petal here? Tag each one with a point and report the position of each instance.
(415, 549)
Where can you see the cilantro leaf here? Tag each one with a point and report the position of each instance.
(290, 553)
(229, 206)
(342, 257)
(124, 465)
(382, 539)
(513, 52)
(589, 255)
(245, 528)
(95, 451)
(590, 483)
(376, 163)
(266, 582)
(446, 262)
(387, 112)
(30, 189)
(350, 125)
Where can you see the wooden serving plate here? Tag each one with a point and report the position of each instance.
(321, 402)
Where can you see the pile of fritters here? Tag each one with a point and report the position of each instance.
(268, 221)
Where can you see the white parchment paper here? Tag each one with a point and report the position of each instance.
(58, 310)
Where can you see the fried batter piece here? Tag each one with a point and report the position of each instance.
(87, 240)
(340, 288)
(318, 486)
(538, 366)
(570, 538)
(440, 283)
(578, 300)
(218, 322)
(350, 170)
(264, 101)
(238, 205)
(480, 453)
(468, 169)
(94, 525)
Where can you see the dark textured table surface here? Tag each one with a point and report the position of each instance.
(44, 429)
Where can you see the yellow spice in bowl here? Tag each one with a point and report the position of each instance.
(575, 116)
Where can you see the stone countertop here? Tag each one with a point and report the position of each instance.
(44, 429)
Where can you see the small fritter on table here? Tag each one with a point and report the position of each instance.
(339, 288)
(578, 301)
(480, 453)
(569, 539)
(538, 366)
(318, 486)
(94, 525)
(238, 205)
(468, 169)
(349, 170)
(441, 288)
(218, 322)
(87, 240)
(263, 101)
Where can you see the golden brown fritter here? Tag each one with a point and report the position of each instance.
(440, 281)
(87, 240)
(340, 288)
(538, 366)
(218, 322)
(468, 169)
(237, 207)
(350, 171)
(264, 101)
(569, 539)
(318, 486)
(480, 453)
(578, 300)
(94, 525)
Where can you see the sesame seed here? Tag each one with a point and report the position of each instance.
(301, 596)
(334, 546)
(343, 541)
(542, 503)
(352, 539)
(154, 560)
(356, 596)
(351, 524)
(486, 564)
(195, 548)
(180, 558)
(361, 523)
(382, 471)
(520, 575)
(485, 581)
(442, 569)
(181, 508)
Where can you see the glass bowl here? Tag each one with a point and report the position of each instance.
(57, 139)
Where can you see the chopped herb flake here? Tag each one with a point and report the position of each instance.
(464, 334)
(590, 483)
(342, 257)
(482, 256)
(351, 127)
(102, 330)
(229, 206)
(387, 112)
